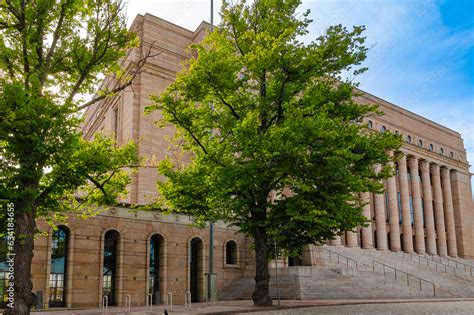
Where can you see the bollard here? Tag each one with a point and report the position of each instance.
(105, 303)
(128, 302)
(149, 302)
(187, 300)
(169, 301)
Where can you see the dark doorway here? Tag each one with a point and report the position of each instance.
(111, 241)
(196, 269)
(155, 276)
(295, 261)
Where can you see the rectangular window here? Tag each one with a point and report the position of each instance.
(386, 207)
(399, 198)
(412, 211)
(116, 124)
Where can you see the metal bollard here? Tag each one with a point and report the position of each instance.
(149, 302)
(105, 303)
(169, 301)
(187, 300)
(128, 302)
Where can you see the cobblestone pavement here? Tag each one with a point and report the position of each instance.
(418, 308)
(330, 307)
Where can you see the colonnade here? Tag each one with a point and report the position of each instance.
(414, 214)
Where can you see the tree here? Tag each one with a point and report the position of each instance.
(51, 53)
(265, 114)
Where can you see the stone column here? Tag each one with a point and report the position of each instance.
(417, 207)
(449, 213)
(351, 239)
(439, 211)
(428, 208)
(367, 241)
(405, 201)
(336, 241)
(393, 219)
(380, 219)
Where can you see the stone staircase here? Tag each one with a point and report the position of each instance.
(336, 276)
(449, 281)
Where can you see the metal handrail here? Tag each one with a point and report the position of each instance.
(340, 255)
(408, 275)
(437, 263)
(466, 266)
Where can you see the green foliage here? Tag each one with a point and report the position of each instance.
(51, 53)
(264, 113)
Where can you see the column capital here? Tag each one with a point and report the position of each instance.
(413, 162)
(435, 169)
(402, 159)
(425, 166)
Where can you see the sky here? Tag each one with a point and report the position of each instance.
(421, 56)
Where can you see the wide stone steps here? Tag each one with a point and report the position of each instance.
(456, 285)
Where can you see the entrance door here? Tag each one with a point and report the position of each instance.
(195, 267)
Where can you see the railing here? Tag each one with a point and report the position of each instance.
(339, 256)
(419, 258)
(408, 275)
(466, 267)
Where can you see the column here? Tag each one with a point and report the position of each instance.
(417, 207)
(351, 239)
(439, 211)
(449, 213)
(393, 219)
(380, 219)
(336, 241)
(428, 208)
(405, 201)
(367, 241)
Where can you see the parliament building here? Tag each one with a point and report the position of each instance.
(426, 210)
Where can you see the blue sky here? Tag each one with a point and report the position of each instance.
(421, 57)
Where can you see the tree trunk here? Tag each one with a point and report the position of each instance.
(261, 296)
(23, 299)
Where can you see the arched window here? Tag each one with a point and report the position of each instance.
(111, 241)
(156, 267)
(431, 147)
(441, 151)
(370, 124)
(420, 143)
(57, 276)
(3, 273)
(383, 129)
(408, 139)
(231, 253)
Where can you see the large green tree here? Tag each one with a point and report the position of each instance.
(265, 114)
(51, 53)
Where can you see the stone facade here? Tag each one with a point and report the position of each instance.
(427, 206)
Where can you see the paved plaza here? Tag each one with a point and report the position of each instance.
(383, 307)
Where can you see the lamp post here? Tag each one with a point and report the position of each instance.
(211, 277)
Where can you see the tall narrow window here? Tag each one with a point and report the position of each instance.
(110, 265)
(231, 253)
(3, 273)
(116, 124)
(156, 248)
(399, 198)
(57, 276)
(412, 211)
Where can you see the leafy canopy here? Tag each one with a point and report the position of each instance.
(51, 53)
(277, 138)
